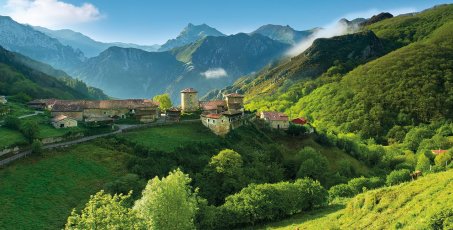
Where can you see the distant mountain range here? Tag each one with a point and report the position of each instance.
(36, 45)
(284, 34)
(86, 44)
(189, 34)
(212, 62)
(200, 57)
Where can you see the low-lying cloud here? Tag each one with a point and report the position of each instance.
(54, 14)
(215, 73)
(338, 28)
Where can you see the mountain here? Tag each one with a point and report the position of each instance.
(190, 33)
(351, 49)
(129, 72)
(86, 44)
(392, 76)
(36, 45)
(209, 63)
(284, 34)
(20, 74)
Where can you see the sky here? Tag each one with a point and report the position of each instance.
(150, 22)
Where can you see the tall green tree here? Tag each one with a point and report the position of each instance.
(164, 101)
(104, 211)
(423, 163)
(223, 176)
(30, 131)
(168, 203)
(313, 164)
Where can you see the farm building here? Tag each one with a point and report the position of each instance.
(42, 104)
(172, 114)
(141, 109)
(299, 121)
(276, 120)
(62, 121)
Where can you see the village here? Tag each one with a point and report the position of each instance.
(220, 116)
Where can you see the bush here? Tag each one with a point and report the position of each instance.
(358, 184)
(341, 190)
(30, 131)
(313, 164)
(125, 184)
(398, 177)
(443, 159)
(12, 123)
(442, 219)
(36, 147)
(260, 202)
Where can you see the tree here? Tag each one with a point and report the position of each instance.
(164, 101)
(313, 164)
(12, 123)
(415, 136)
(398, 177)
(423, 163)
(30, 131)
(443, 159)
(104, 211)
(224, 175)
(169, 203)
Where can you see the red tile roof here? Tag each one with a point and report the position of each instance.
(275, 116)
(188, 90)
(79, 105)
(438, 151)
(300, 121)
(211, 105)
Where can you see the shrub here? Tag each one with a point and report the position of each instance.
(313, 164)
(442, 219)
(341, 190)
(398, 177)
(36, 147)
(443, 159)
(12, 123)
(259, 202)
(30, 131)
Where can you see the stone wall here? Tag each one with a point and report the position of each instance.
(78, 116)
(10, 150)
(189, 102)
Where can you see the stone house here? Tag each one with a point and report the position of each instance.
(3, 100)
(42, 104)
(141, 109)
(234, 101)
(217, 106)
(276, 120)
(62, 121)
(189, 100)
(172, 114)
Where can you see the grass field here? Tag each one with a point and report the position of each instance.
(168, 138)
(9, 138)
(333, 154)
(39, 193)
(409, 206)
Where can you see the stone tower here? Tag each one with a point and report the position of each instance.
(235, 101)
(189, 100)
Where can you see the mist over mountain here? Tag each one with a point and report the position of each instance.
(189, 34)
(87, 45)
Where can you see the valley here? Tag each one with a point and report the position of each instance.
(235, 121)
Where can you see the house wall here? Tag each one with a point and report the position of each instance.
(219, 126)
(75, 115)
(105, 112)
(189, 102)
(279, 124)
(66, 122)
(235, 103)
(147, 115)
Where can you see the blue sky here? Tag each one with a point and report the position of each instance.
(155, 21)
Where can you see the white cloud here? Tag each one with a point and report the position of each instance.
(337, 28)
(54, 14)
(215, 73)
(334, 29)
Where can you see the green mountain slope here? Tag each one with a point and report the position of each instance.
(412, 205)
(20, 74)
(409, 86)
